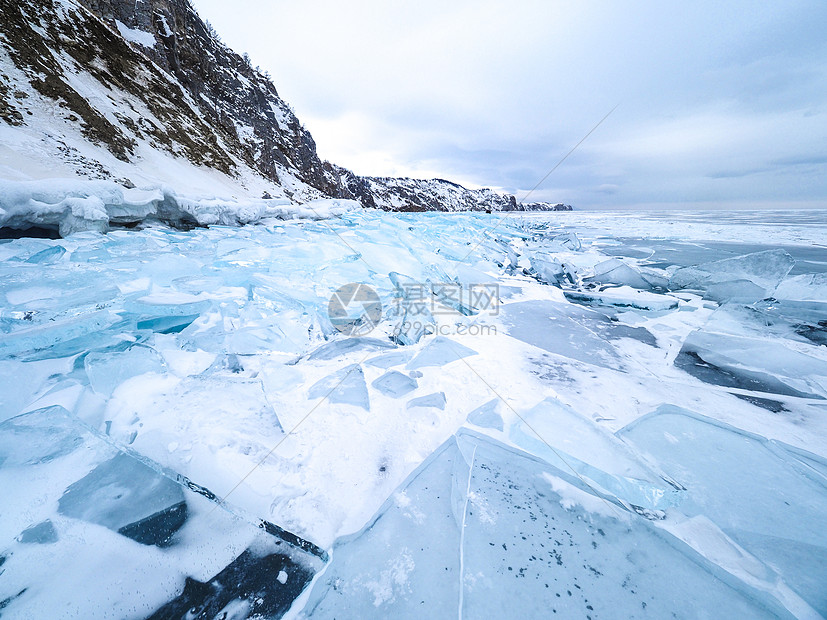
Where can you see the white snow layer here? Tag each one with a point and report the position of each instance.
(75, 205)
(133, 35)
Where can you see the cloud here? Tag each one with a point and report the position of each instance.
(490, 93)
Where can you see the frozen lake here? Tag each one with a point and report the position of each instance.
(380, 415)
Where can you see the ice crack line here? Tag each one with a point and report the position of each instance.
(462, 536)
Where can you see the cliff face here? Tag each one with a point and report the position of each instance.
(232, 96)
(126, 90)
(135, 79)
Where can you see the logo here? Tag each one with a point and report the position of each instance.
(354, 309)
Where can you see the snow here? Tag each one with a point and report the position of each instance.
(133, 35)
(605, 427)
(76, 205)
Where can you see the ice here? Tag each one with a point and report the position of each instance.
(566, 329)
(439, 352)
(167, 303)
(49, 255)
(40, 534)
(345, 386)
(37, 437)
(395, 384)
(127, 497)
(412, 314)
(731, 276)
(20, 382)
(54, 333)
(107, 370)
(755, 490)
(557, 434)
(551, 271)
(615, 271)
(487, 415)
(188, 351)
(78, 205)
(66, 482)
(569, 241)
(745, 291)
(807, 287)
(753, 363)
(436, 400)
(388, 360)
(624, 297)
(338, 349)
(485, 531)
(251, 586)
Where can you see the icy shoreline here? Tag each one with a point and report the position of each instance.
(73, 205)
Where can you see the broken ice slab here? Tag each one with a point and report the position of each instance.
(755, 490)
(54, 333)
(436, 400)
(490, 532)
(248, 330)
(752, 363)
(47, 256)
(569, 241)
(387, 360)
(439, 352)
(394, 384)
(38, 437)
(412, 311)
(554, 432)
(97, 568)
(618, 272)
(559, 242)
(108, 369)
(128, 497)
(22, 382)
(166, 324)
(551, 271)
(741, 291)
(623, 297)
(346, 386)
(806, 287)
(41, 534)
(256, 584)
(765, 270)
(337, 349)
(570, 330)
(487, 415)
(167, 303)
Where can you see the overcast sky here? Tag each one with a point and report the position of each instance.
(718, 103)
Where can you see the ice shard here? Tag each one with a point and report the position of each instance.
(764, 270)
(486, 531)
(395, 384)
(623, 297)
(38, 437)
(757, 491)
(346, 386)
(107, 370)
(436, 400)
(126, 496)
(439, 352)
